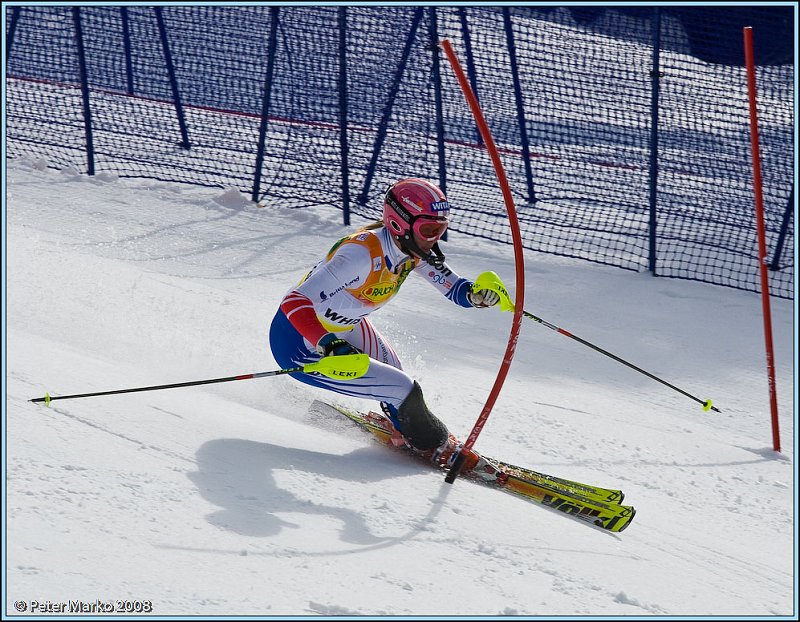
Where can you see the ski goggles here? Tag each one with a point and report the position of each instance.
(429, 229)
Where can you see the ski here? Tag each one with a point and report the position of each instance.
(609, 516)
(593, 505)
(605, 495)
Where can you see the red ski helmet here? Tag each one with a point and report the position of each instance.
(415, 206)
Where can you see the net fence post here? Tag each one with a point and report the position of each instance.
(523, 127)
(12, 29)
(437, 94)
(387, 111)
(775, 264)
(265, 102)
(84, 76)
(173, 81)
(654, 97)
(126, 44)
(343, 144)
(470, 60)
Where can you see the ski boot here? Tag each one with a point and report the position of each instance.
(421, 429)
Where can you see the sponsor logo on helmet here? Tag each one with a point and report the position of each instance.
(377, 264)
(440, 206)
(379, 292)
(411, 203)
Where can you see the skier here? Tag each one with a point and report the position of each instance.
(326, 314)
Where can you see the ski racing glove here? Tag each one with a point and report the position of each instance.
(331, 345)
(483, 298)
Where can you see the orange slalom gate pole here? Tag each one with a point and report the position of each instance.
(518, 258)
(762, 243)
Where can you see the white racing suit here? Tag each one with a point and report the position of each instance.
(359, 275)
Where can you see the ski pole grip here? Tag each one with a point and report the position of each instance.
(490, 281)
(344, 367)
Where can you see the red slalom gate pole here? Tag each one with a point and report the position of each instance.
(762, 243)
(518, 258)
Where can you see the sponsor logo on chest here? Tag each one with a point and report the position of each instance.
(380, 291)
(331, 315)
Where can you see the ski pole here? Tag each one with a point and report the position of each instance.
(490, 280)
(345, 367)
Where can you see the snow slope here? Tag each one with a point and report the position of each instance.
(233, 499)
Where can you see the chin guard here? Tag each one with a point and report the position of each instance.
(436, 257)
(409, 246)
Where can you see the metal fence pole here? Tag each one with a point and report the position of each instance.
(87, 109)
(126, 44)
(265, 102)
(775, 264)
(12, 29)
(387, 111)
(523, 126)
(655, 95)
(344, 145)
(173, 81)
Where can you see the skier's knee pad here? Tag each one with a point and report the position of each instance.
(421, 428)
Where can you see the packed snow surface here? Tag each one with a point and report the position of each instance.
(232, 499)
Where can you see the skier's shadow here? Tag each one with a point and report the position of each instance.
(237, 475)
